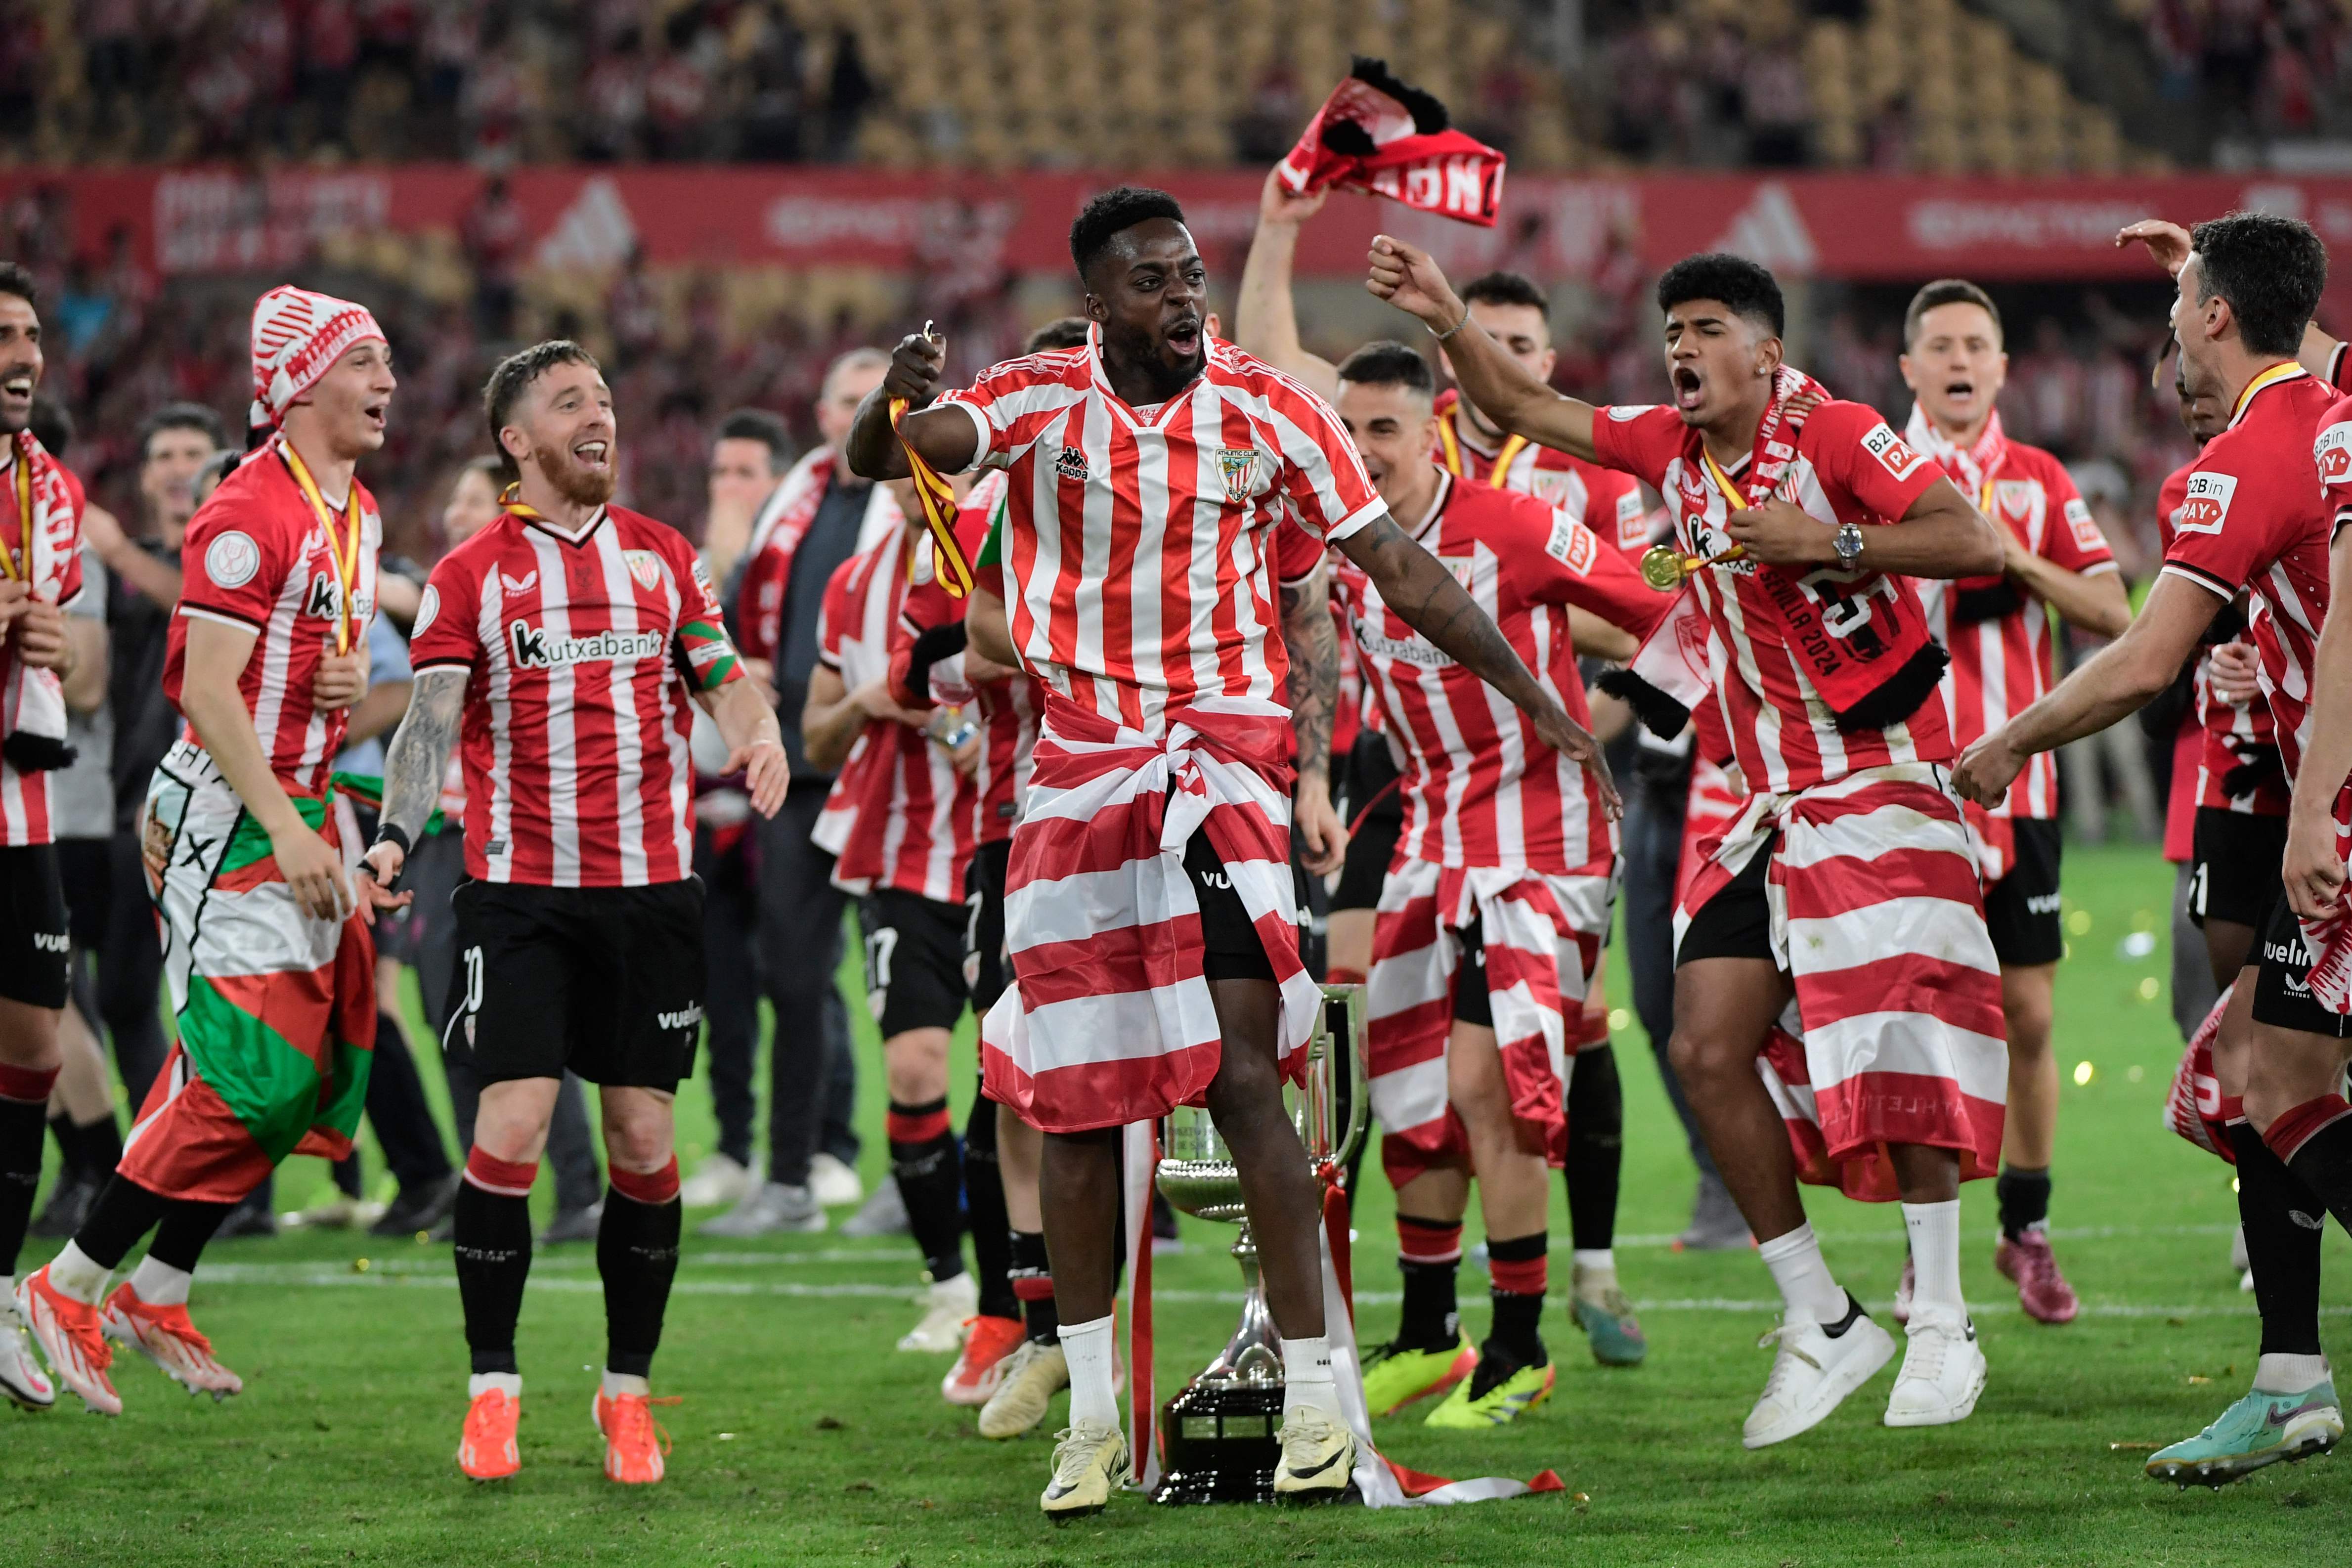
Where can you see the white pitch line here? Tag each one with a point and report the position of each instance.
(303, 1275)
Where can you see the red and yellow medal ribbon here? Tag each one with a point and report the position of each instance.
(937, 498)
(1452, 446)
(2283, 371)
(344, 554)
(510, 501)
(17, 563)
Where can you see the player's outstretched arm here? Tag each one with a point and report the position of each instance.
(1265, 322)
(1411, 583)
(755, 742)
(1312, 643)
(209, 696)
(2115, 683)
(1494, 383)
(414, 767)
(945, 436)
(2313, 869)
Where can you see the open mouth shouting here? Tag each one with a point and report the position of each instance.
(373, 413)
(1690, 388)
(1184, 336)
(17, 392)
(1961, 396)
(593, 453)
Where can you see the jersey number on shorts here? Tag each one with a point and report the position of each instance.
(879, 945)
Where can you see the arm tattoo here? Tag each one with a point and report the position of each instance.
(419, 757)
(1426, 595)
(1314, 679)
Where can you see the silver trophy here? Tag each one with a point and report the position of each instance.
(1218, 1432)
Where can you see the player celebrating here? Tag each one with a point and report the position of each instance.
(1517, 314)
(1494, 916)
(900, 847)
(565, 638)
(271, 969)
(40, 570)
(1999, 632)
(1150, 906)
(2256, 519)
(1805, 519)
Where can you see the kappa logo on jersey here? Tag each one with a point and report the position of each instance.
(535, 649)
(1894, 454)
(1632, 529)
(645, 568)
(1571, 544)
(1071, 464)
(2086, 527)
(2208, 502)
(232, 559)
(2333, 452)
(1237, 467)
(519, 585)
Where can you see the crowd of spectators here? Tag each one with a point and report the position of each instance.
(1707, 83)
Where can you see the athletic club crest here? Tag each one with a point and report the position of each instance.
(1237, 467)
(645, 567)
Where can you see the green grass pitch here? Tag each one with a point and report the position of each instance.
(805, 1438)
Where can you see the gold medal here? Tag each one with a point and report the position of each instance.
(1662, 568)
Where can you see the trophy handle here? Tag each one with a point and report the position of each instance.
(1341, 1103)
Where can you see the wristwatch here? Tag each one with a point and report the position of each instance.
(1847, 542)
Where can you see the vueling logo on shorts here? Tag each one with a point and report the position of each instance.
(2044, 904)
(535, 649)
(690, 1019)
(52, 941)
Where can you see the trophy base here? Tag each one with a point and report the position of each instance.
(1217, 1441)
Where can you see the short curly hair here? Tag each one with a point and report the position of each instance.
(1102, 220)
(512, 378)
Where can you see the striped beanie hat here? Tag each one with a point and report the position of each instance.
(297, 337)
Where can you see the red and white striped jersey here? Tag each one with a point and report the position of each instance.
(40, 528)
(1604, 500)
(1479, 789)
(2001, 660)
(1142, 549)
(2236, 742)
(2255, 517)
(1007, 709)
(891, 818)
(581, 656)
(257, 556)
(1844, 466)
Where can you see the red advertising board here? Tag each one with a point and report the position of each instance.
(1858, 227)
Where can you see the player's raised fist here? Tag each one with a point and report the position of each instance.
(915, 367)
(1277, 204)
(1406, 277)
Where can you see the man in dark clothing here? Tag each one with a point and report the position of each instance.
(818, 517)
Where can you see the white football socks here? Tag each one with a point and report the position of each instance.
(616, 1383)
(75, 1277)
(1593, 1266)
(159, 1284)
(506, 1383)
(1086, 1348)
(1307, 1377)
(2277, 1374)
(1806, 1288)
(1936, 1254)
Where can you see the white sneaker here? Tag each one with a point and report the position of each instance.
(835, 1184)
(1034, 1373)
(22, 1379)
(1812, 1374)
(1943, 1370)
(718, 1180)
(769, 1209)
(948, 1305)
